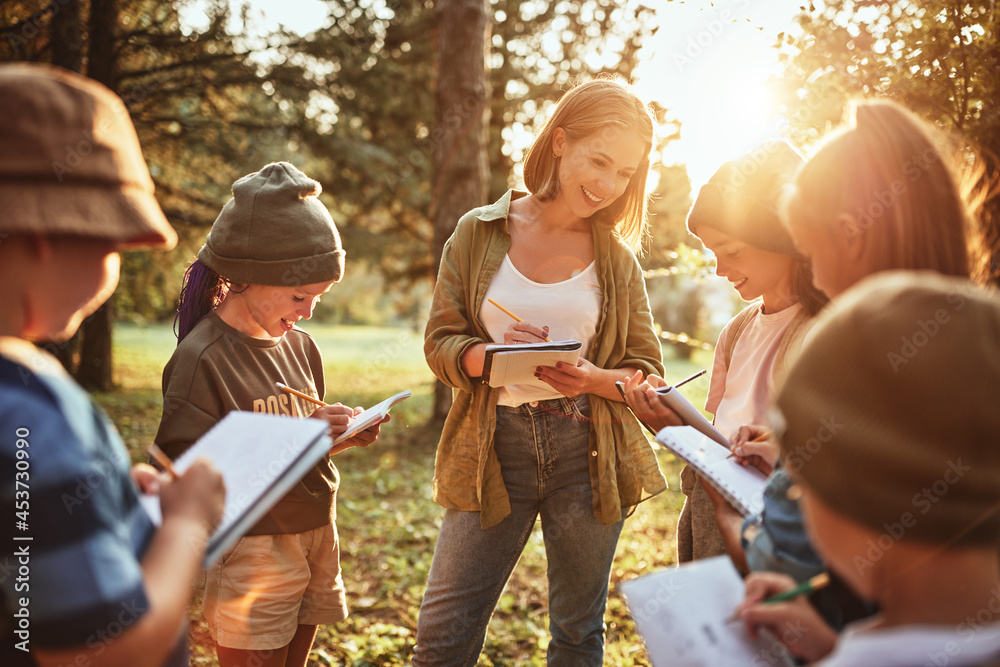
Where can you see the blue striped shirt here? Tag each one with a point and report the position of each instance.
(71, 527)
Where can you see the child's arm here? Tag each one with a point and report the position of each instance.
(192, 506)
(730, 523)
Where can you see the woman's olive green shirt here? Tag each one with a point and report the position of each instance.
(623, 467)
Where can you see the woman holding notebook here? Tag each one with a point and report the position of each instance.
(560, 256)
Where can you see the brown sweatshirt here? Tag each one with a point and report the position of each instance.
(216, 369)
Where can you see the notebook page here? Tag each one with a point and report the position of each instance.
(260, 457)
(371, 415)
(742, 485)
(682, 613)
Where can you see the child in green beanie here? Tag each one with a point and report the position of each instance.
(273, 252)
(902, 494)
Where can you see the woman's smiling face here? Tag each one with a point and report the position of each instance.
(596, 169)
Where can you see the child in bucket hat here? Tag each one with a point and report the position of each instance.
(270, 256)
(901, 492)
(97, 583)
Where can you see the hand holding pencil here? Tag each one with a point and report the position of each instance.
(775, 602)
(339, 417)
(754, 445)
(526, 329)
(642, 397)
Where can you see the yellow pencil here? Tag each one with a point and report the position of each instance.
(512, 315)
(300, 395)
(163, 460)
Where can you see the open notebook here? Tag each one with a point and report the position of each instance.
(743, 486)
(682, 614)
(371, 416)
(506, 365)
(261, 457)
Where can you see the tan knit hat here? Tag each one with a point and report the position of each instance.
(275, 231)
(741, 198)
(891, 414)
(70, 161)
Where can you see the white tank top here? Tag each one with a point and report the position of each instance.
(570, 309)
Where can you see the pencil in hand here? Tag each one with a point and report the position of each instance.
(306, 397)
(163, 460)
(688, 379)
(821, 580)
(513, 316)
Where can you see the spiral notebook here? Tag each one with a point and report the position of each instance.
(743, 486)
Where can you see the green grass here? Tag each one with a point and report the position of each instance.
(387, 521)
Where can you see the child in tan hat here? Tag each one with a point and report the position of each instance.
(270, 256)
(902, 493)
(86, 578)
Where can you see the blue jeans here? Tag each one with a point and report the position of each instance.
(544, 460)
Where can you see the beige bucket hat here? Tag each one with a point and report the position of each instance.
(70, 162)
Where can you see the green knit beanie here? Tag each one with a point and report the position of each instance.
(741, 199)
(275, 231)
(891, 413)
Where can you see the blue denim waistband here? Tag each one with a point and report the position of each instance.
(561, 405)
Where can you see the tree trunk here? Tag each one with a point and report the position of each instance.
(462, 108)
(67, 36)
(94, 369)
(67, 52)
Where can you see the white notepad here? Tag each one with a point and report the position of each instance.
(371, 416)
(506, 365)
(676, 401)
(743, 486)
(682, 614)
(261, 457)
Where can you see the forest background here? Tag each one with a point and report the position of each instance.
(407, 111)
(362, 105)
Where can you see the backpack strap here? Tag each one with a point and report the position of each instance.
(740, 322)
(791, 344)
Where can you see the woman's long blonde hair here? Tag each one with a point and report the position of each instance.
(586, 109)
(895, 174)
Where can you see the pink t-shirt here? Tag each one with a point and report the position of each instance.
(742, 394)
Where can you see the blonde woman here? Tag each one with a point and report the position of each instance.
(561, 256)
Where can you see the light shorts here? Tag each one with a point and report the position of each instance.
(263, 588)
